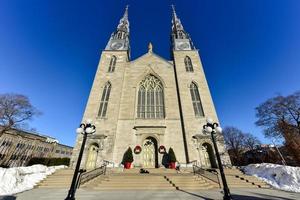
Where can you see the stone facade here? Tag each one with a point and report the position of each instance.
(121, 127)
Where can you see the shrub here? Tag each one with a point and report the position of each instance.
(172, 157)
(49, 161)
(127, 157)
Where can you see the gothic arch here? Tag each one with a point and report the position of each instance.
(147, 72)
(150, 98)
(188, 64)
(92, 156)
(112, 64)
(196, 100)
(104, 100)
(209, 155)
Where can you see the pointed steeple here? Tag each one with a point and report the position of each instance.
(119, 39)
(124, 23)
(179, 37)
(176, 23)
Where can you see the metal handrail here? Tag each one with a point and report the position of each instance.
(106, 162)
(87, 176)
(191, 162)
(211, 175)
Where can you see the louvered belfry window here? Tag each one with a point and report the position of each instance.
(188, 64)
(112, 64)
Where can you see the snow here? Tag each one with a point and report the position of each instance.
(19, 179)
(279, 176)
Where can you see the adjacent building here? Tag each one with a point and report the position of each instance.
(17, 147)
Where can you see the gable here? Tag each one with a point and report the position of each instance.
(151, 58)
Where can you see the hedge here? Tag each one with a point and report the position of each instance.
(49, 161)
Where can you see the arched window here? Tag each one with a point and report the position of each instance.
(119, 35)
(150, 98)
(112, 64)
(188, 64)
(104, 100)
(196, 100)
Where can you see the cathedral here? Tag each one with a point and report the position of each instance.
(150, 104)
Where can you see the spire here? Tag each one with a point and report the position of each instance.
(174, 12)
(119, 39)
(124, 23)
(180, 38)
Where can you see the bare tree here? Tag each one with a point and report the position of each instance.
(250, 141)
(280, 117)
(277, 112)
(15, 110)
(234, 143)
(238, 143)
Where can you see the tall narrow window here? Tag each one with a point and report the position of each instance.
(150, 98)
(188, 64)
(104, 100)
(196, 100)
(112, 64)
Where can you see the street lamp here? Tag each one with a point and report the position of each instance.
(214, 128)
(85, 129)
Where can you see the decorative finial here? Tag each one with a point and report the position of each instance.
(150, 47)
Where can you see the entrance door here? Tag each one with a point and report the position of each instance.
(209, 157)
(149, 152)
(92, 157)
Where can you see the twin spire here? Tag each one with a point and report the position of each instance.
(119, 39)
(124, 22)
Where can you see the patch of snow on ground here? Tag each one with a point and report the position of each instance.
(18, 179)
(279, 176)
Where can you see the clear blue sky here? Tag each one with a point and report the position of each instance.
(49, 51)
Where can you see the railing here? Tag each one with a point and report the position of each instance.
(193, 162)
(87, 176)
(107, 162)
(211, 175)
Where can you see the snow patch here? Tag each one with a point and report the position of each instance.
(18, 179)
(279, 176)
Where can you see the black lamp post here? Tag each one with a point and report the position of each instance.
(84, 129)
(214, 128)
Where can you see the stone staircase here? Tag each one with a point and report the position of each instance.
(60, 179)
(236, 179)
(190, 182)
(157, 179)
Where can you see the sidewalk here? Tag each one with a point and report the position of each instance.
(238, 194)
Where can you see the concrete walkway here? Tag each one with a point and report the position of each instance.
(212, 194)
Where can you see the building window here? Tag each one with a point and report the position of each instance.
(150, 98)
(188, 64)
(119, 35)
(104, 100)
(112, 64)
(2, 156)
(57, 151)
(196, 100)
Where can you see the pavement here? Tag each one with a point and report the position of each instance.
(212, 194)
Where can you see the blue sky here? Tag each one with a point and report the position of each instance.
(49, 51)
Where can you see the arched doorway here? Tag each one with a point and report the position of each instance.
(92, 156)
(209, 156)
(150, 153)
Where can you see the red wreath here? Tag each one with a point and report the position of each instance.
(137, 149)
(162, 149)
